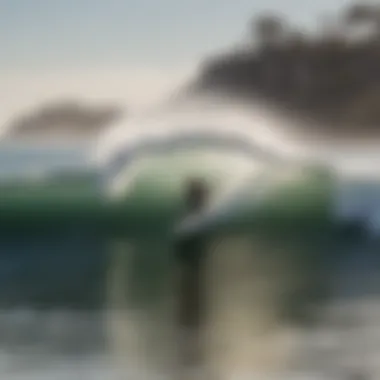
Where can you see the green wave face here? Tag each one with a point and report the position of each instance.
(153, 199)
(163, 177)
(257, 191)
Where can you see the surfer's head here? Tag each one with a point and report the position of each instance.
(196, 194)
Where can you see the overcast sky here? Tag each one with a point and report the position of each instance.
(131, 50)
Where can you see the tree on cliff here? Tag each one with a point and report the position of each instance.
(65, 116)
(269, 30)
(331, 75)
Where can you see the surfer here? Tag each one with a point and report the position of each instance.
(196, 195)
(190, 251)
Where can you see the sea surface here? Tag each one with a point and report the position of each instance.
(301, 300)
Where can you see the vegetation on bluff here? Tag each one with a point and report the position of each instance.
(330, 76)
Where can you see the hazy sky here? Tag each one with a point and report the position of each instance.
(120, 48)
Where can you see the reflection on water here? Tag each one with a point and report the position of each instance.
(270, 312)
(63, 344)
(261, 294)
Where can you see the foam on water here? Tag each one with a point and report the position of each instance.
(224, 140)
(222, 130)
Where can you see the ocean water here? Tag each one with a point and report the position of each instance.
(291, 277)
(289, 292)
